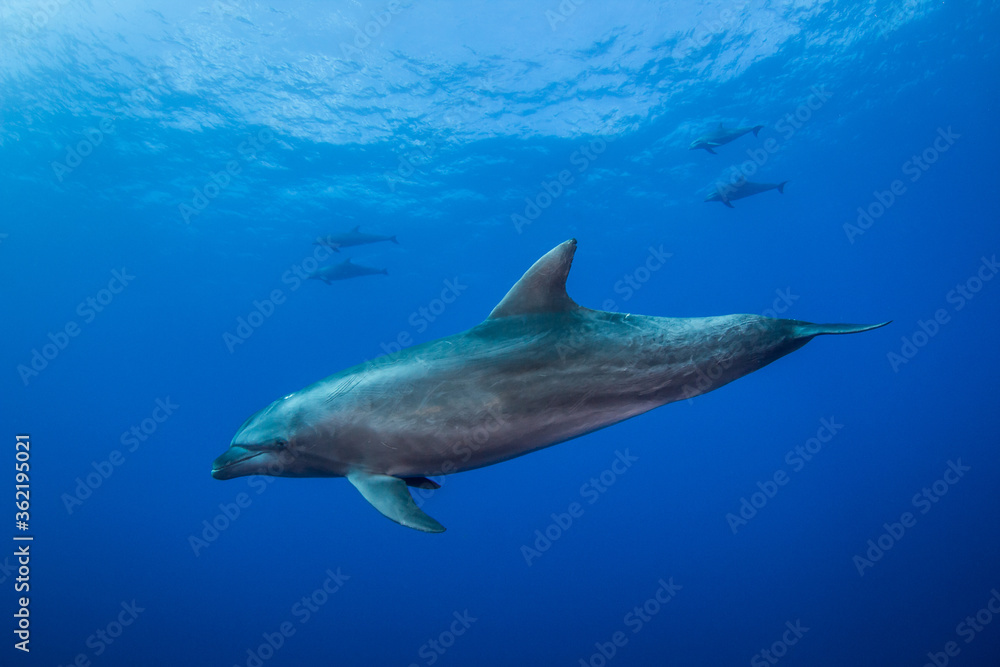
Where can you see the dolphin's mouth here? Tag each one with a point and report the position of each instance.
(226, 466)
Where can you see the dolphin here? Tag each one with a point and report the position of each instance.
(538, 371)
(722, 135)
(352, 238)
(727, 192)
(344, 270)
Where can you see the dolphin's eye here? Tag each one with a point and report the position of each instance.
(280, 443)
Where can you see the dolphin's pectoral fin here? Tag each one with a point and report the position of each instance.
(726, 202)
(390, 496)
(709, 149)
(542, 289)
(421, 483)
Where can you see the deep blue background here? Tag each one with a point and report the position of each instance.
(891, 92)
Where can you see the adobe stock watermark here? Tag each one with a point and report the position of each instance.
(462, 449)
(788, 125)
(892, 16)
(87, 310)
(779, 649)
(45, 11)
(591, 491)
(794, 121)
(914, 168)
(218, 181)
(302, 611)
(433, 649)
(630, 283)
(702, 34)
(409, 162)
(635, 620)
(549, 191)
(131, 440)
(796, 459)
(105, 637)
(968, 629)
(421, 494)
(93, 137)
(419, 154)
(81, 150)
(212, 528)
(294, 276)
(228, 513)
(562, 12)
(782, 303)
(364, 34)
(421, 318)
(958, 298)
(924, 500)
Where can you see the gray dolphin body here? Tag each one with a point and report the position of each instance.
(722, 135)
(538, 371)
(344, 270)
(354, 237)
(726, 193)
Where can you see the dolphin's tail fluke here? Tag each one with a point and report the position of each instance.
(810, 329)
(393, 239)
(781, 187)
(756, 129)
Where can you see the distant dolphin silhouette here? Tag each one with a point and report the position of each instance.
(351, 238)
(722, 135)
(538, 371)
(344, 270)
(727, 192)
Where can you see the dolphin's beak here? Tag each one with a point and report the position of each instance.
(225, 467)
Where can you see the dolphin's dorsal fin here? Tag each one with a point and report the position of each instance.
(542, 289)
(356, 228)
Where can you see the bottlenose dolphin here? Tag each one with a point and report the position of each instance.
(344, 270)
(352, 238)
(728, 191)
(722, 135)
(538, 371)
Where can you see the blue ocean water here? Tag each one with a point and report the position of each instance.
(166, 169)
